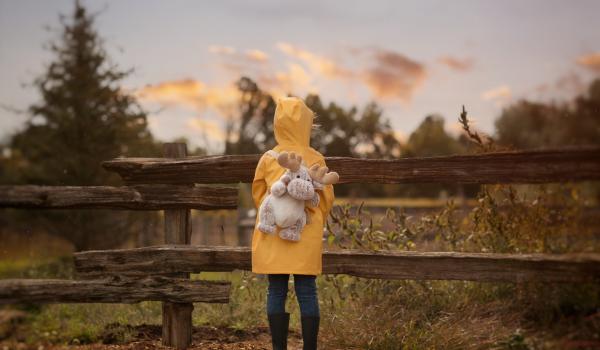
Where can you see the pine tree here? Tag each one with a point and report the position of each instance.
(84, 118)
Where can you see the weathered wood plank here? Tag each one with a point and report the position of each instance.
(177, 317)
(138, 197)
(382, 265)
(540, 166)
(113, 290)
(177, 326)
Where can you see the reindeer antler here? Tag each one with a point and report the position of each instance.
(290, 161)
(321, 174)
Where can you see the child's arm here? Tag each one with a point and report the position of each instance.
(326, 202)
(259, 185)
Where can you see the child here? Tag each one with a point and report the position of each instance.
(278, 257)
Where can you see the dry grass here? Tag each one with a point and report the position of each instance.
(375, 314)
(417, 315)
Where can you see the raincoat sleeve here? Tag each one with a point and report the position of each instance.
(259, 184)
(327, 196)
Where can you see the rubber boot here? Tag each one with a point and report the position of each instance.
(310, 331)
(278, 325)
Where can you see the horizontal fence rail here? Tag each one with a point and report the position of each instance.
(138, 197)
(541, 166)
(161, 273)
(113, 290)
(382, 265)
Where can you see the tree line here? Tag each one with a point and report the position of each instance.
(84, 118)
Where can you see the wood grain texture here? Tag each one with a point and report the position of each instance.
(139, 197)
(381, 265)
(177, 317)
(177, 331)
(112, 290)
(540, 166)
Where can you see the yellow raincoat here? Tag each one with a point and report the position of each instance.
(271, 254)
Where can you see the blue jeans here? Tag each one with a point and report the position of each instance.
(306, 292)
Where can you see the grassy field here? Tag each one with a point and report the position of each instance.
(360, 313)
(356, 313)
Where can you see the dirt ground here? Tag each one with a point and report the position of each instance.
(148, 337)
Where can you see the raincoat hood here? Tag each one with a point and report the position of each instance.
(292, 123)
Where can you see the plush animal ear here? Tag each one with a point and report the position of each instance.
(331, 178)
(290, 161)
(322, 175)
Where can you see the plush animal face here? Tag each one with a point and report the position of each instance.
(300, 185)
(302, 182)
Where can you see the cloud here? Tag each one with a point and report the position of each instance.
(208, 127)
(257, 55)
(236, 61)
(252, 63)
(498, 94)
(186, 91)
(190, 93)
(457, 64)
(253, 55)
(235, 69)
(393, 75)
(571, 81)
(590, 61)
(317, 63)
(388, 74)
(221, 50)
(293, 79)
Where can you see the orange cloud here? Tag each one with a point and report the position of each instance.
(257, 55)
(292, 80)
(252, 55)
(318, 63)
(209, 128)
(390, 76)
(498, 94)
(187, 92)
(571, 81)
(457, 64)
(235, 63)
(386, 74)
(590, 61)
(190, 93)
(394, 75)
(221, 50)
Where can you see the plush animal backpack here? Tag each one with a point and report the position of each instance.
(285, 203)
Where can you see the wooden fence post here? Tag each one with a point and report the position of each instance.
(177, 317)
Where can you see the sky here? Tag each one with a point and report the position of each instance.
(414, 58)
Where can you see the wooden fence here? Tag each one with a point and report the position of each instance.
(171, 184)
